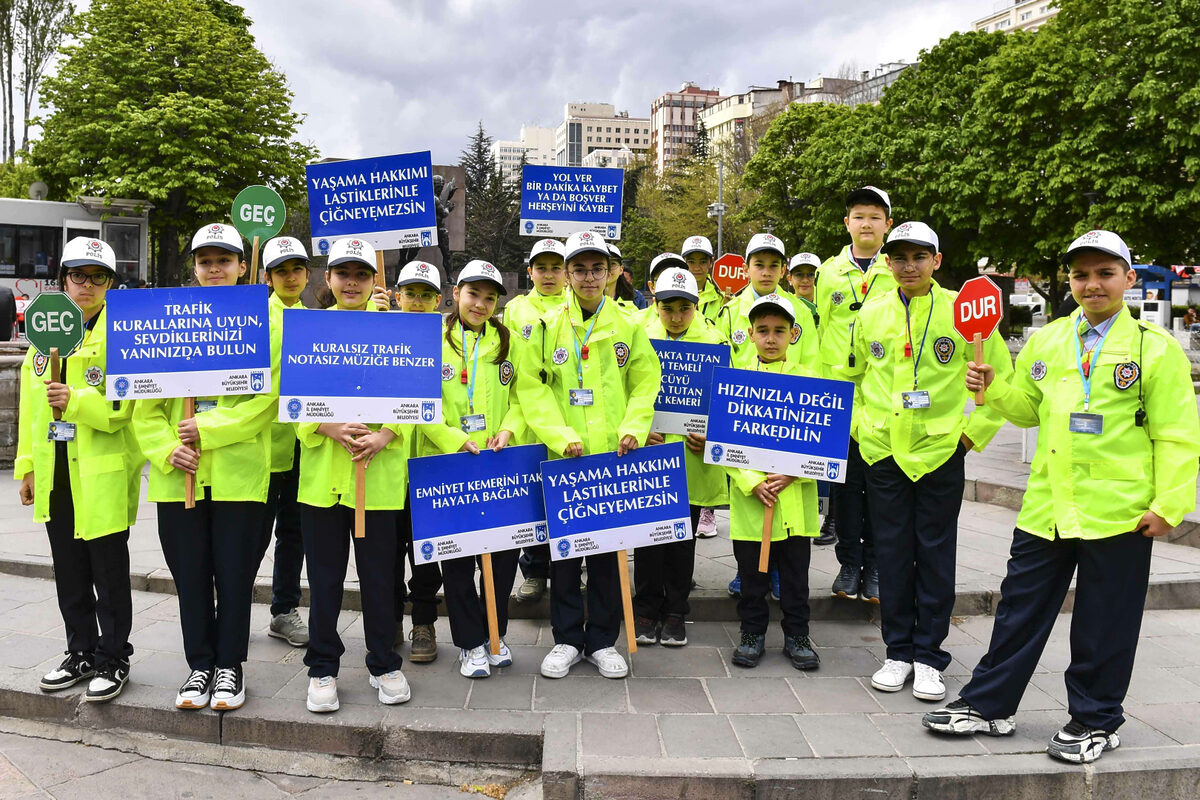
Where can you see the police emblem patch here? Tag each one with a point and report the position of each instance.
(943, 348)
(1038, 370)
(39, 364)
(1126, 374)
(506, 373)
(560, 355)
(877, 349)
(796, 331)
(94, 376)
(837, 298)
(527, 331)
(447, 372)
(622, 352)
(739, 336)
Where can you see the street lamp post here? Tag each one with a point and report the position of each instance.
(717, 209)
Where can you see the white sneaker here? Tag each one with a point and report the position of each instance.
(504, 659)
(322, 694)
(473, 663)
(610, 663)
(707, 528)
(892, 676)
(559, 660)
(927, 683)
(393, 687)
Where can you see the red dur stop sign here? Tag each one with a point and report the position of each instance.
(977, 312)
(729, 273)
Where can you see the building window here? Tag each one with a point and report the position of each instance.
(1026, 15)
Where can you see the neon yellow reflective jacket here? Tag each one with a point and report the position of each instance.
(735, 321)
(840, 285)
(1095, 486)
(707, 484)
(327, 473)
(524, 312)
(796, 509)
(919, 439)
(104, 462)
(492, 383)
(622, 371)
(283, 434)
(711, 301)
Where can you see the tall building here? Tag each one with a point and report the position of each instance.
(608, 158)
(536, 145)
(727, 119)
(673, 119)
(597, 126)
(1017, 15)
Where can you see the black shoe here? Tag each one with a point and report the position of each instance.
(645, 630)
(228, 689)
(109, 681)
(800, 650)
(870, 586)
(673, 633)
(846, 583)
(828, 532)
(751, 649)
(961, 719)
(73, 669)
(1079, 744)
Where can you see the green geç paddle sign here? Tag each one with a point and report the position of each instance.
(258, 211)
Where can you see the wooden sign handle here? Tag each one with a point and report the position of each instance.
(489, 598)
(360, 499)
(978, 342)
(764, 555)
(254, 262)
(626, 599)
(189, 479)
(55, 376)
(380, 276)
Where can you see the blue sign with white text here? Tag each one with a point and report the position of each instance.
(386, 200)
(683, 395)
(465, 504)
(559, 201)
(360, 366)
(602, 503)
(189, 341)
(788, 424)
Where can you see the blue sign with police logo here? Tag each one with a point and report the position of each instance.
(386, 200)
(559, 201)
(602, 503)
(683, 395)
(347, 366)
(188, 341)
(464, 504)
(788, 424)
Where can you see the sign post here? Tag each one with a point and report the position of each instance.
(258, 214)
(55, 326)
(729, 274)
(977, 312)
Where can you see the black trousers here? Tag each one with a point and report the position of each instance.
(856, 540)
(603, 614)
(212, 547)
(916, 539)
(283, 516)
(91, 577)
(327, 534)
(790, 557)
(1110, 594)
(466, 607)
(662, 576)
(425, 577)
(535, 561)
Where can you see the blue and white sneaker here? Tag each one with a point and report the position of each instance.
(504, 659)
(1079, 744)
(735, 586)
(473, 663)
(774, 577)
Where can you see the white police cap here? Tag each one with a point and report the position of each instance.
(765, 241)
(281, 249)
(774, 302)
(1103, 241)
(804, 259)
(676, 282)
(83, 251)
(871, 195)
(420, 272)
(586, 242)
(547, 246)
(225, 237)
(348, 249)
(665, 260)
(917, 233)
(479, 270)
(696, 244)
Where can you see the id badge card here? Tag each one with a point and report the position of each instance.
(915, 399)
(205, 405)
(580, 397)
(472, 423)
(61, 431)
(1087, 423)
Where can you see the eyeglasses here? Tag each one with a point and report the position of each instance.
(97, 278)
(584, 274)
(919, 260)
(412, 294)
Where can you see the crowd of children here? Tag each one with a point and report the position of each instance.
(571, 366)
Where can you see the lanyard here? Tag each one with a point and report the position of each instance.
(866, 289)
(581, 348)
(1093, 353)
(474, 367)
(908, 348)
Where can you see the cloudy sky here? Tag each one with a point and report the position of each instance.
(390, 76)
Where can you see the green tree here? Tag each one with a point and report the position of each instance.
(169, 103)
(40, 25)
(493, 212)
(15, 178)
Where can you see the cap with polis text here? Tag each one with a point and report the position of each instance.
(586, 242)
(869, 195)
(552, 246)
(225, 237)
(772, 302)
(803, 260)
(349, 250)
(479, 270)
(420, 272)
(1100, 241)
(282, 249)
(760, 242)
(84, 251)
(917, 233)
(696, 244)
(664, 261)
(676, 283)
